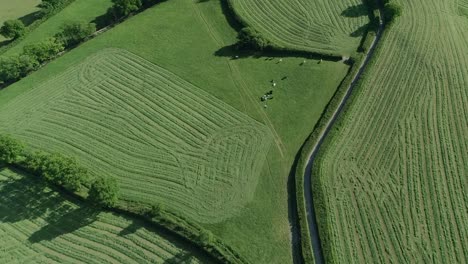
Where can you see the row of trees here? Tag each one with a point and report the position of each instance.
(16, 67)
(60, 170)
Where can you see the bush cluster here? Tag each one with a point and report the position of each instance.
(250, 38)
(392, 10)
(48, 6)
(58, 169)
(73, 33)
(12, 29)
(16, 67)
(10, 149)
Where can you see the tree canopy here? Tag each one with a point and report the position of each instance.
(12, 29)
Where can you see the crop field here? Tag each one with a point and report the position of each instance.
(159, 135)
(13, 10)
(393, 177)
(38, 225)
(78, 10)
(323, 26)
(162, 125)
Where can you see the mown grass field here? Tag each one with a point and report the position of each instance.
(14, 10)
(78, 10)
(393, 177)
(178, 121)
(329, 27)
(124, 116)
(38, 225)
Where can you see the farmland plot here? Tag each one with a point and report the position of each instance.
(324, 26)
(37, 225)
(394, 175)
(164, 139)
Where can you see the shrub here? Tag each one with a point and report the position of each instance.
(122, 8)
(155, 210)
(75, 32)
(15, 67)
(250, 38)
(392, 11)
(45, 50)
(12, 29)
(47, 6)
(104, 192)
(10, 149)
(206, 238)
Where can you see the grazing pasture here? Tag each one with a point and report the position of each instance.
(192, 80)
(17, 9)
(38, 225)
(322, 26)
(393, 177)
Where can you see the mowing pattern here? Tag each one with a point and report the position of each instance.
(463, 7)
(164, 139)
(322, 26)
(38, 226)
(394, 176)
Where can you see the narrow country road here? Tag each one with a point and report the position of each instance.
(311, 218)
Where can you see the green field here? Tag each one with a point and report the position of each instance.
(78, 10)
(394, 174)
(178, 121)
(323, 26)
(164, 139)
(13, 10)
(38, 225)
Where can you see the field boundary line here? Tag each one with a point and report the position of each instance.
(312, 154)
(239, 81)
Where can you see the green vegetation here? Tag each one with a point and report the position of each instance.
(12, 29)
(108, 112)
(391, 178)
(73, 33)
(249, 38)
(78, 10)
(10, 149)
(39, 225)
(45, 50)
(322, 26)
(57, 169)
(104, 192)
(122, 8)
(13, 10)
(392, 11)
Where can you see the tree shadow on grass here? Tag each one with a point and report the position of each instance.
(63, 222)
(233, 52)
(30, 18)
(28, 198)
(360, 32)
(355, 11)
(21, 200)
(181, 258)
(130, 229)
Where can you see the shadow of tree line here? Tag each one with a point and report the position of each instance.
(27, 199)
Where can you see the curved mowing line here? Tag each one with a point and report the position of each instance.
(305, 25)
(41, 226)
(164, 139)
(311, 217)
